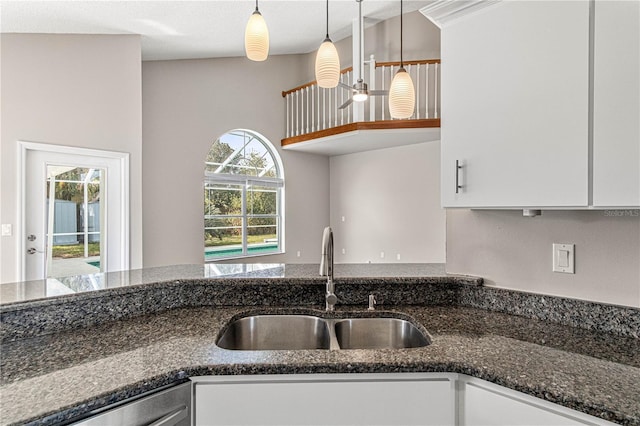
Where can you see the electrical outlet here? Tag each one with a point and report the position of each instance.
(398, 256)
(381, 255)
(344, 251)
(564, 258)
(298, 253)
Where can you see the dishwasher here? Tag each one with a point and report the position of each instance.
(167, 407)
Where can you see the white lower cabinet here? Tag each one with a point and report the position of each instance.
(325, 399)
(372, 399)
(481, 403)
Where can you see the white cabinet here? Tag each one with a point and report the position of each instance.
(486, 404)
(372, 399)
(515, 80)
(518, 95)
(616, 104)
(325, 399)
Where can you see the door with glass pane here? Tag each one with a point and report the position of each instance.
(75, 218)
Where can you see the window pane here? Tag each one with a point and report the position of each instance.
(263, 236)
(262, 200)
(220, 199)
(222, 237)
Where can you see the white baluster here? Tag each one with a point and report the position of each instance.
(324, 107)
(302, 113)
(313, 120)
(308, 108)
(286, 119)
(435, 97)
(417, 91)
(341, 99)
(372, 84)
(298, 131)
(382, 106)
(336, 110)
(426, 93)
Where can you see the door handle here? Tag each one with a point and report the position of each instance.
(33, 250)
(458, 186)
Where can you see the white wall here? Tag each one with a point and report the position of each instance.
(389, 199)
(74, 90)
(187, 105)
(512, 251)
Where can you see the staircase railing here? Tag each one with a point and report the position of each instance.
(310, 108)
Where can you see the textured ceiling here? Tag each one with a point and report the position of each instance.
(197, 29)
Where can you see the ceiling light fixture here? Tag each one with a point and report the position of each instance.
(256, 37)
(327, 61)
(402, 98)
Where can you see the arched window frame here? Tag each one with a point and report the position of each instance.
(246, 184)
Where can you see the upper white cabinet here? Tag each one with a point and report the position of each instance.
(516, 106)
(616, 104)
(515, 79)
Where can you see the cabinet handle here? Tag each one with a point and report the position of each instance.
(458, 186)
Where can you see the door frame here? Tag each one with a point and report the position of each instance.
(25, 146)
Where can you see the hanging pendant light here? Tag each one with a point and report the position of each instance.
(402, 98)
(256, 37)
(327, 61)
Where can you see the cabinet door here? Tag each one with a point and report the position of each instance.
(616, 104)
(485, 404)
(323, 400)
(515, 106)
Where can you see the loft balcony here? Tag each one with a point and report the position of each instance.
(315, 123)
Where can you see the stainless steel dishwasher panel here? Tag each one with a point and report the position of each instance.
(168, 407)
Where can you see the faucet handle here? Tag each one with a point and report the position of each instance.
(372, 303)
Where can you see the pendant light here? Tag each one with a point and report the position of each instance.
(402, 99)
(256, 37)
(327, 61)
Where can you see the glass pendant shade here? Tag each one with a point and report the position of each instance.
(402, 98)
(327, 65)
(256, 38)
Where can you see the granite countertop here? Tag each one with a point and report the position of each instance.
(118, 335)
(55, 377)
(49, 291)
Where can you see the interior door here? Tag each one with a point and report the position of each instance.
(99, 211)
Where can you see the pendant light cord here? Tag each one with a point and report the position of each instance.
(327, 18)
(401, 63)
(361, 41)
(257, 6)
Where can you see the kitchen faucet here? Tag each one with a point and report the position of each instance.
(326, 267)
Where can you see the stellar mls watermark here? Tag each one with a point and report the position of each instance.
(622, 213)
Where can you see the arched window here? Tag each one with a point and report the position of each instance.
(243, 193)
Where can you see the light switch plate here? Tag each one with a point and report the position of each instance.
(564, 258)
(6, 230)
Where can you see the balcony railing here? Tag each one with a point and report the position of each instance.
(310, 108)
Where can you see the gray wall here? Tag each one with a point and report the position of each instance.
(75, 90)
(389, 199)
(514, 252)
(187, 105)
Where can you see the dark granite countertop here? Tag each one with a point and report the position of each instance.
(118, 335)
(50, 291)
(54, 377)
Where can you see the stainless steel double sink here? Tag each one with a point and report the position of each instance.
(299, 332)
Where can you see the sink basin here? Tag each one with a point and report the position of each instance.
(293, 332)
(272, 332)
(378, 333)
